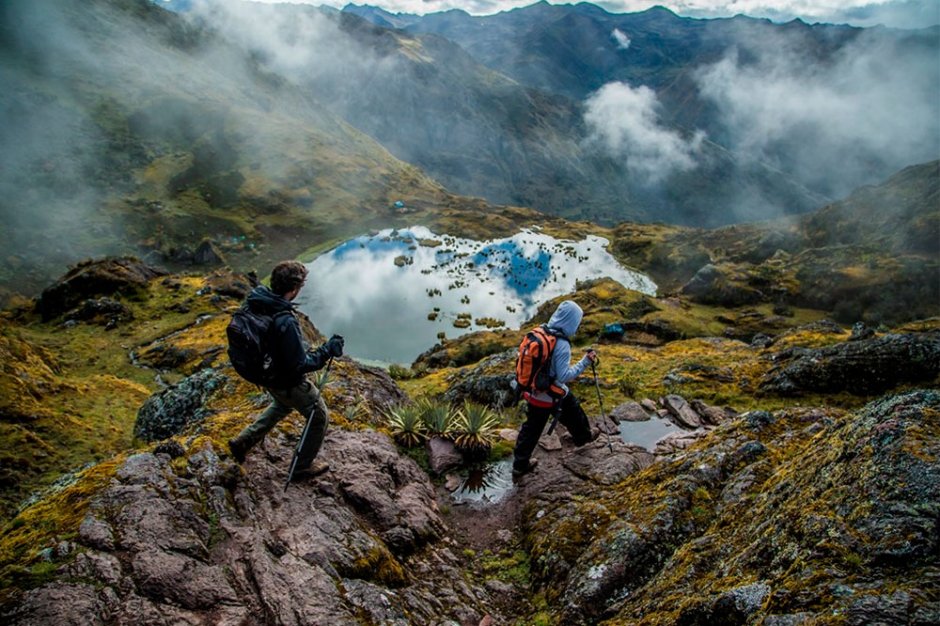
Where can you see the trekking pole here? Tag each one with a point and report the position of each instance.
(300, 443)
(600, 402)
(303, 438)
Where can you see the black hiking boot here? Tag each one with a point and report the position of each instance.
(238, 450)
(320, 467)
(519, 472)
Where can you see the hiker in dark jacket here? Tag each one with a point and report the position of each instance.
(541, 405)
(292, 361)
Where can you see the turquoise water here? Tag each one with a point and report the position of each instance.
(390, 294)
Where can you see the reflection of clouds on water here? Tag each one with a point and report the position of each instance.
(378, 291)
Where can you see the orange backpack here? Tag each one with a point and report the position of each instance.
(534, 361)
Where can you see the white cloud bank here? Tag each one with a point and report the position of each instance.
(830, 124)
(625, 121)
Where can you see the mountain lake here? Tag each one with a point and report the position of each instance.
(393, 293)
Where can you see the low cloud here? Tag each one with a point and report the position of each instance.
(869, 111)
(621, 39)
(625, 122)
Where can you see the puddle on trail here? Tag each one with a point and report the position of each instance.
(648, 432)
(486, 484)
(391, 294)
(490, 483)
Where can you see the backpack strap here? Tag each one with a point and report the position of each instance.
(554, 390)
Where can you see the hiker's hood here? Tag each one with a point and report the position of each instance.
(566, 318)
(263, 300)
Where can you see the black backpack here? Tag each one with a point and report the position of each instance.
(250, 348)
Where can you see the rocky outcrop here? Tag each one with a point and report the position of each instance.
(355, 383)
(674, 407)
(208, 542)
(92, 279)
(171, 411)
(102, 311)
(863, 367)
(776, 518)
(714, 285)
(481, 385)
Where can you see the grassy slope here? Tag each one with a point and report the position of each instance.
(171, 136)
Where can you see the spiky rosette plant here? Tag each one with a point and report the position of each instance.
(405, 422)
(438, 417)
(476, 427)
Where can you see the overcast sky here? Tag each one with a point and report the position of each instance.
(896, 13)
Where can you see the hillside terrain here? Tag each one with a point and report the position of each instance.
(141, 131)
(154, 166)
(130, 132)
(120, 399)
(166, 524)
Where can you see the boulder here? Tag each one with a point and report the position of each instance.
(713, 285)
(207, 254)
(629, 411)
(492, 390)
(356, 383)
(681, 412)
(232, 285)
(712, 414)
(508, 434)
(442, 455)
(674, 442)
(102, 311)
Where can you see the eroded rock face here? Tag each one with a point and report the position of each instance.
(776, 518)
(216, 543)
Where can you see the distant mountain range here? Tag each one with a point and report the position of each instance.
(822, 106)
(274, 128)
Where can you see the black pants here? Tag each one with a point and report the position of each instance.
(571, 415)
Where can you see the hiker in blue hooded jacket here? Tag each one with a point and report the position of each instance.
(541, 404)
(292, 360)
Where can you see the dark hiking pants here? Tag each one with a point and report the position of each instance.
(305, 399)
(572, 417)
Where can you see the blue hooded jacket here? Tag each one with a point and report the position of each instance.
(565, 321)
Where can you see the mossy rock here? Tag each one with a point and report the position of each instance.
(106, 277)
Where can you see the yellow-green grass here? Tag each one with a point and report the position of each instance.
(52, 519)
(71, 392)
